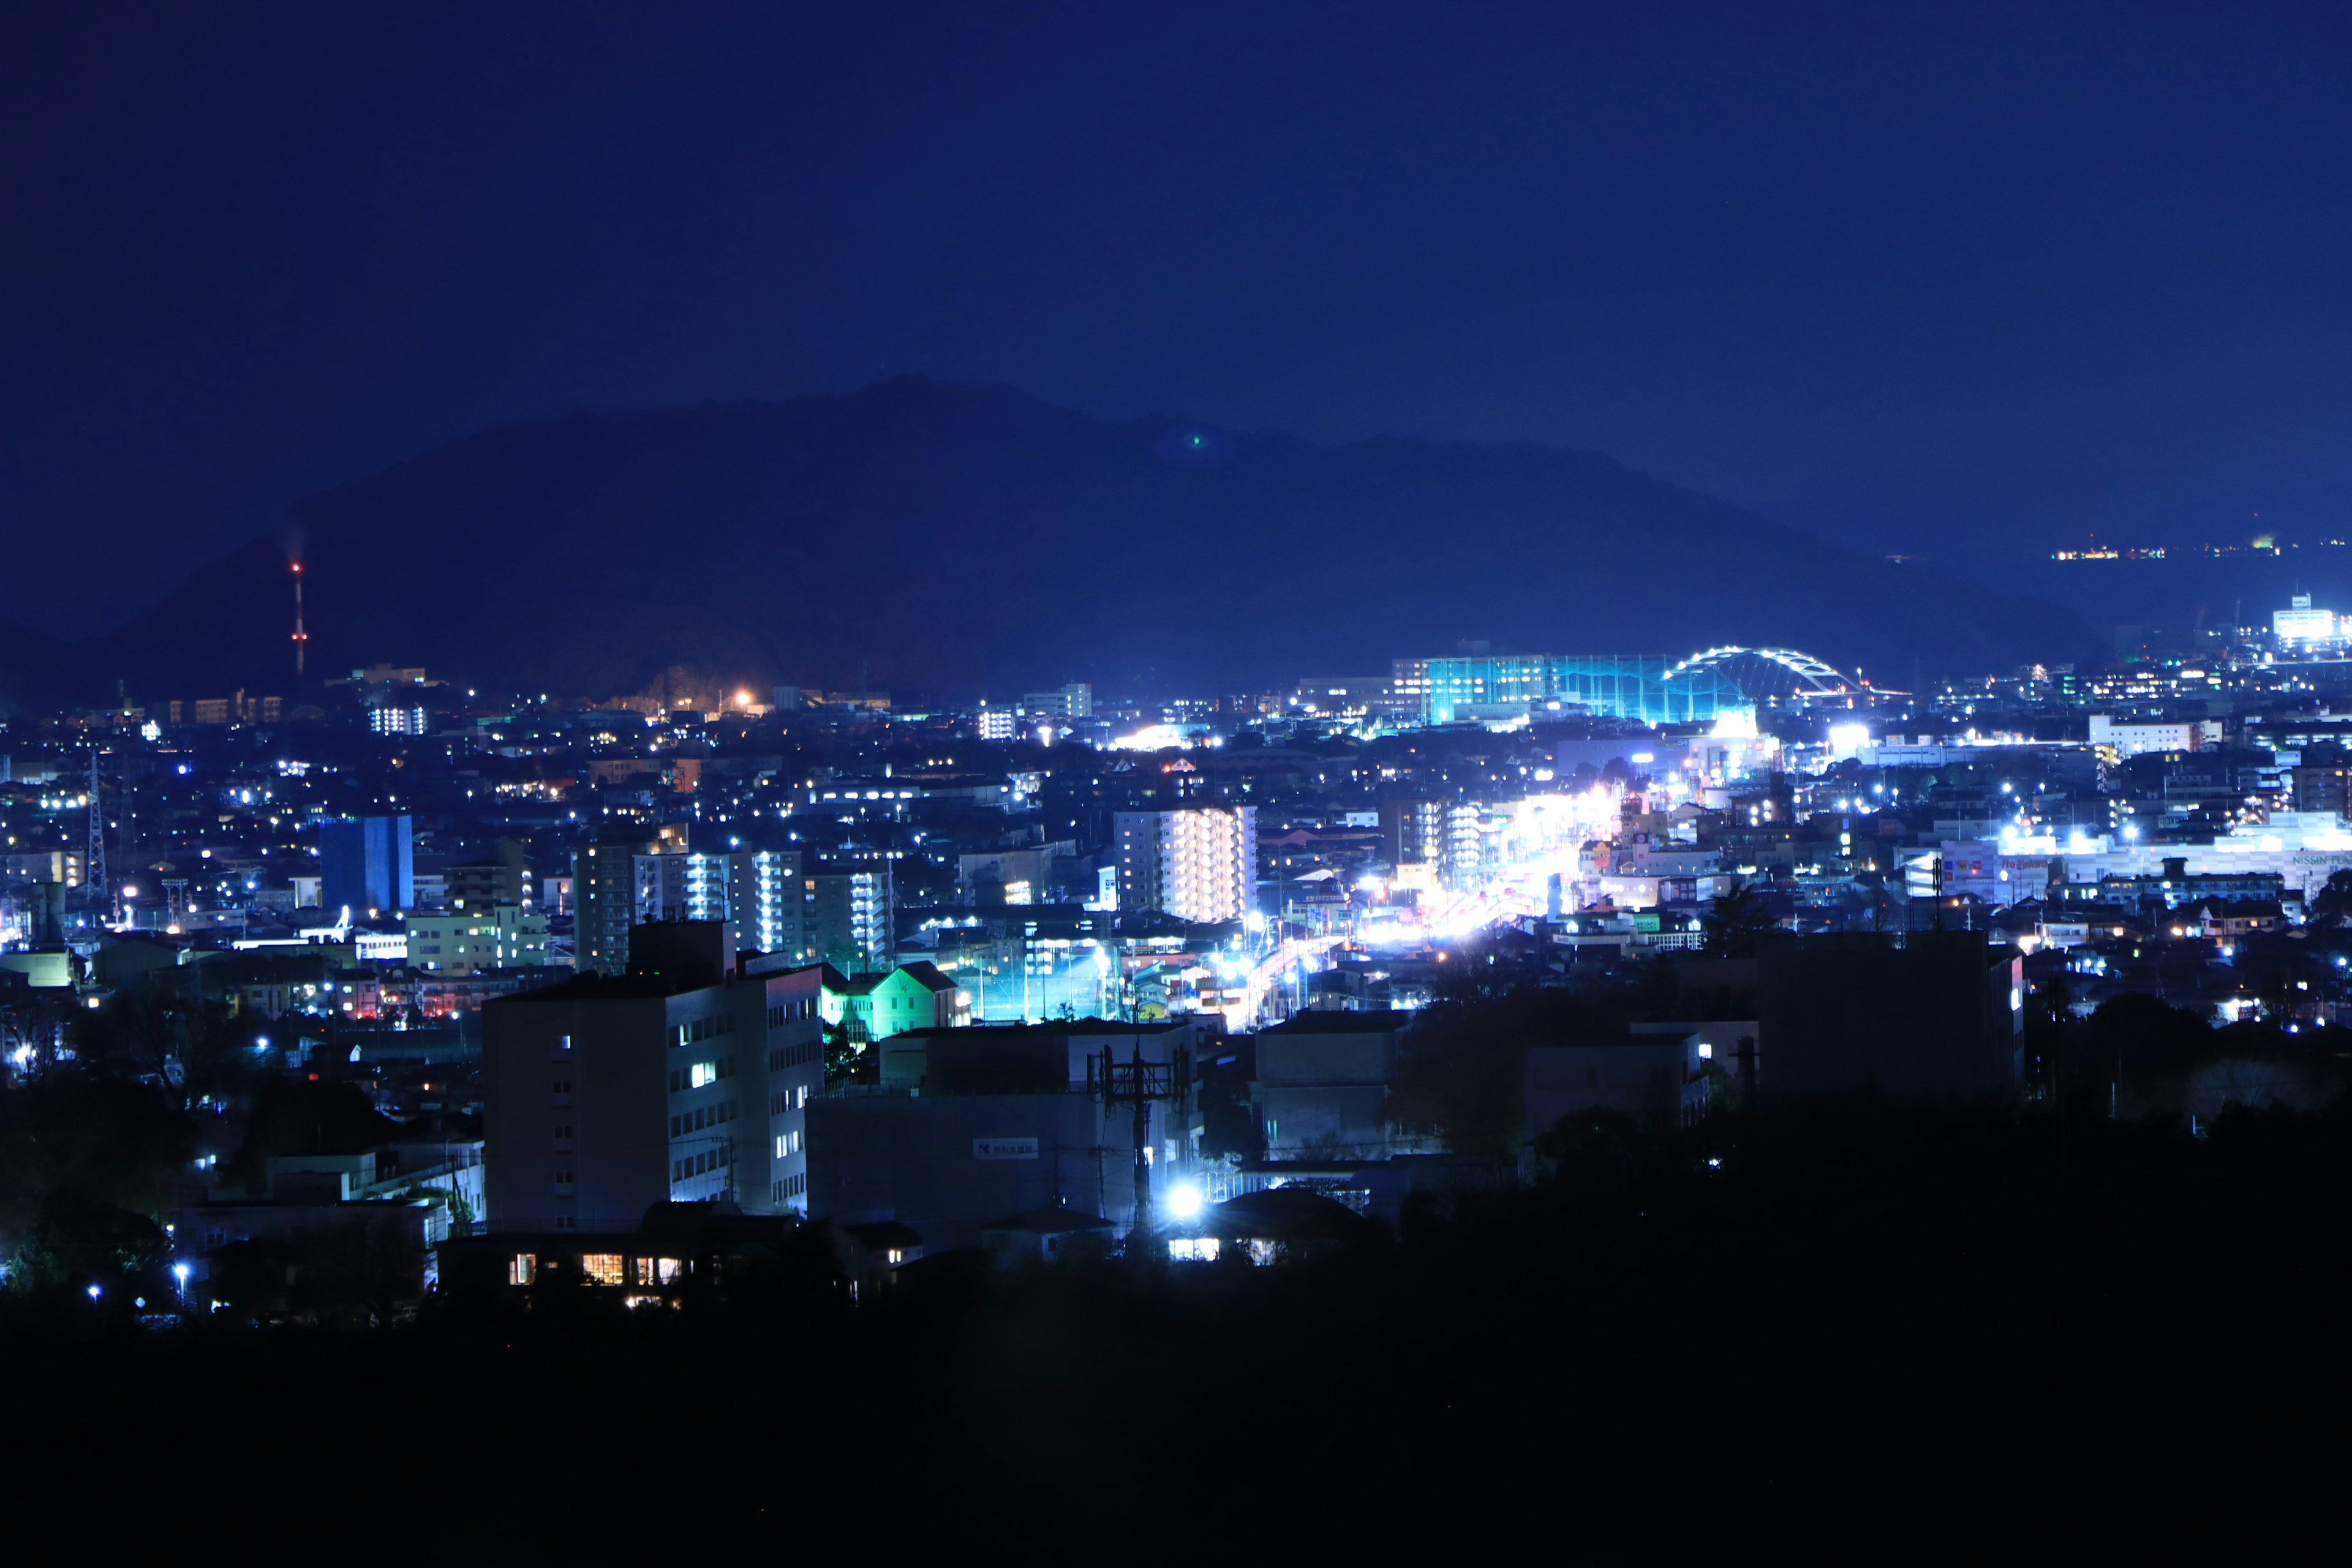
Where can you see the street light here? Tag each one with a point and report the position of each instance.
(1184, 1202)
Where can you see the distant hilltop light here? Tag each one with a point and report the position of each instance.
(2111, 552)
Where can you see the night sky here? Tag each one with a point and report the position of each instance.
(250, 250)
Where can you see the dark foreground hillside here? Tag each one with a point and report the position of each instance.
(917, 534)
(1864, 1330)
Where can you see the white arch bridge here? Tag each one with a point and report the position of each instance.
(1755, 675)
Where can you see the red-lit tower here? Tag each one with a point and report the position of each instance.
(301, 636)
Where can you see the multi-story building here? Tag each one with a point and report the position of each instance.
(390, 720)
(1199, 864)
(1412, 832)
(502, 936)
(2137, 739)
(684, 1079)
(604, 880)
(505, 877)
(1652, 688)
(851, 917)
(775, 905)
(367, 865)
(2301, 625)
(2321, 778)
(1075, 700)
(1463, 860)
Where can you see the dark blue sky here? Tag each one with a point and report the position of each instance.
(1763, 251)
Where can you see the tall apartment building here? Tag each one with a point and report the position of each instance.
(761, 896)
(604, 887)
(776, 905)
(1463, 858)
(504, 877)
(1199, 864)
(851, 917)
(684, 1079)
(367, 863)
(1412, 832)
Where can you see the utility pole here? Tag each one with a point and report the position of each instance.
(1138, 1083)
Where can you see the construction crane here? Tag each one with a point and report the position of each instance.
(94, 877)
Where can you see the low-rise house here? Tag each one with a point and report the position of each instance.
(1277, 1225)
(679, 1250)
(1041, 1234)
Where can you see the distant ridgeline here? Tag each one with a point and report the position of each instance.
(918, 535)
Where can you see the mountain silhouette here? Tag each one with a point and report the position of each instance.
(962, 539)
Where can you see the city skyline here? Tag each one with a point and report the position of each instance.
(1200, 781)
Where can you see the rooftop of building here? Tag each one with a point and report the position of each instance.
(1050, 1220)
(1334, 1022)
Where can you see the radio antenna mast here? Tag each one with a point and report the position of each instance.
(302, 637)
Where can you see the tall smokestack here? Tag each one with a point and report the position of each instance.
(301, 636)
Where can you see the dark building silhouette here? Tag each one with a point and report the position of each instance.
(1940, 1016)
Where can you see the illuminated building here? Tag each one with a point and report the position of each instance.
(877, 1007)
(777, 918)
(502, 936)
(399, 720)
(850, 918)
(1412, 832)
(682, 1081)
(366, 864)
(606, 883)
(504, 879)
(1075, 700)
(2137, 740)
(1198, 865)
(2301, 625)
(1649, 689)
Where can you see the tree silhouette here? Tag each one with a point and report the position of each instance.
(1734, 922)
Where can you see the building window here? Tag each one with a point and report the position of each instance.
(522, 1269)
(602, 1267)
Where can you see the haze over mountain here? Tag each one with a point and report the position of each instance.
(960, 539)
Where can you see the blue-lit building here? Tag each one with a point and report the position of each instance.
(1649, 689)
(366, 863)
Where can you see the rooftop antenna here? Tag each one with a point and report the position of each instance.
(302, 637)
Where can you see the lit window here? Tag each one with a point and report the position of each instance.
(522, 1269)
(602, 1267)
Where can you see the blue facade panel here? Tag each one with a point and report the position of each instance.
(366, 863)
